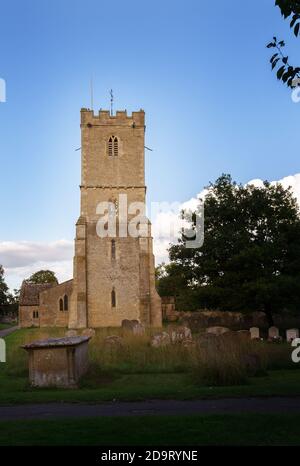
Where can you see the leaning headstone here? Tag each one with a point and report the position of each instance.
(188, 343)
(291, 334)
(133, 326)
(179, 334)
(160, 339)
(273, 332)
(114, 341)
(138, 329)
(89, 332)
(255, 333)
(128, 324)
(71, 333)
(217, 330)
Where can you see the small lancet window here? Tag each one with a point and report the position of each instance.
(61, 305)
(116, 147)
(113, 298)
(113, 146)
(113, 249)
(66, 303)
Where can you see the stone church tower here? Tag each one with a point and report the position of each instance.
(113, 276)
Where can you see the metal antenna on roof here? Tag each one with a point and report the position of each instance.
(111, 102)
(92, 94)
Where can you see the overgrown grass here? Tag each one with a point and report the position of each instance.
(16, 357)
(229, 360)
(137, 371)
(137, 356)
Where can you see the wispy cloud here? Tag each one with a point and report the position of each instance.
(21, 259)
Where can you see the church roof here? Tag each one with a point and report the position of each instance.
(30, 292)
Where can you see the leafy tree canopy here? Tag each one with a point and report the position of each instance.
(288, 74)
(250, 259)
(43, 276)
(4, 291)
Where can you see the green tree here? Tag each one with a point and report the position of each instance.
(43, 276)
(4, 291)
(250, 259)
(290, 9)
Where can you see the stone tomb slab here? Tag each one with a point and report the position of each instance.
(57, 362)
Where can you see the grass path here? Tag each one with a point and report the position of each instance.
(152, 408)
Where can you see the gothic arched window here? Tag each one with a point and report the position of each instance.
(113, 146)
(61, 304)
(113, 249)
(66, 303)
(113, 298)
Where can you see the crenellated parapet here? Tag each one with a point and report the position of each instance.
(120, 118)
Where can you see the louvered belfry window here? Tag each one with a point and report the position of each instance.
(113, 146)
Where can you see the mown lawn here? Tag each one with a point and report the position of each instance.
(130, 387)
(242, 429)
(5, 326)
(141, 373)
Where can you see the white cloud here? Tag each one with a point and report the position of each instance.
(21, 259)
(292, 181)
(166, 221)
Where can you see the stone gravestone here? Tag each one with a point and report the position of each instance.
(89, 332)
(273, 332)
(138, 329)
(179, 334)
(2, 350)
(255, 333)
(71, 333)
(133, 326)
(291, 334)
(114, 341)
(218, 330)
(160, 339)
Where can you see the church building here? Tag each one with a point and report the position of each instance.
(114, 274)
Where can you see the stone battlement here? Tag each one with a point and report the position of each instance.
(105, 118)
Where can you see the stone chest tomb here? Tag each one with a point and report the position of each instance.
(57, 362)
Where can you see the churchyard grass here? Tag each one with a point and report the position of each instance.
(5, 326)
(171, 372)
(237, 429)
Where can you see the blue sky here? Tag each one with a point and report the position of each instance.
(199, 69)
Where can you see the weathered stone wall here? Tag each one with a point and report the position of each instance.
(26, 318)
(96, 273)
(198, 320)
(50, 313)
(168, 308)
